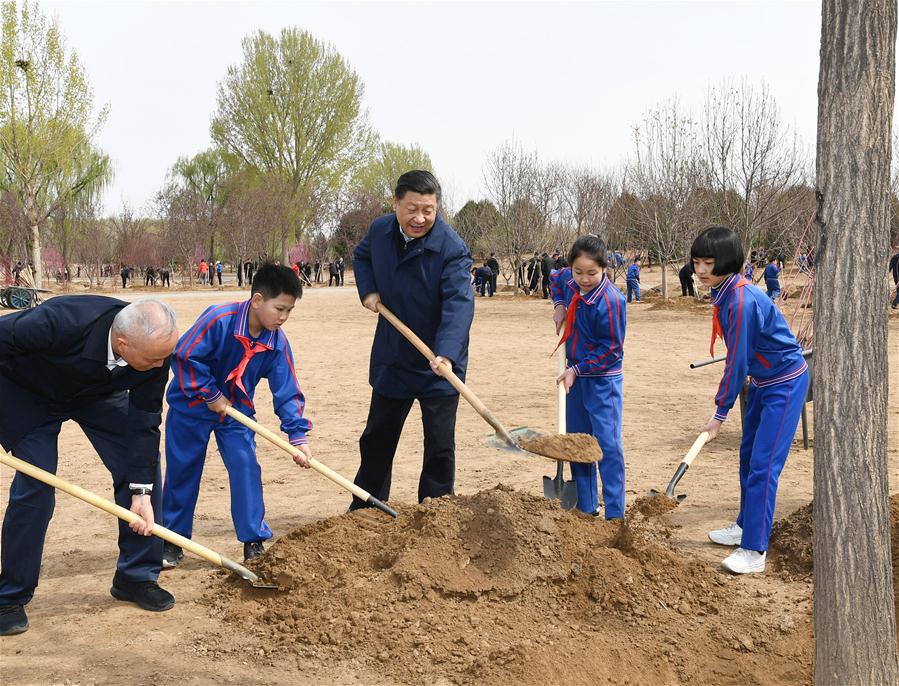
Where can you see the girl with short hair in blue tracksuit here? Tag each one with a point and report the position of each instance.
(759, 345)
(592, 312)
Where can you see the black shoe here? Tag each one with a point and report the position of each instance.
(171, 555)
(146, 594)
(252, 550)
(13, 620)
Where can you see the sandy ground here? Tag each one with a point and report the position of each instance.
(80, 634)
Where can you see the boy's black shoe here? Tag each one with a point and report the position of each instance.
(13, 620)
(252, 550)
(146, 594)
(171, 555)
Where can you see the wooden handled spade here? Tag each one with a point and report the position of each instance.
(503, 438)
(129, 516)
(558, 488)
(292, 450)
(683, 467)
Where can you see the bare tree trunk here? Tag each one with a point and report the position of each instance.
(36, 261)
(855, 629)
(664, 280)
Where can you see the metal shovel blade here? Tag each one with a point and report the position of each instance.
(246, 574)
(519, 434)
(679, 498)
(559, 489)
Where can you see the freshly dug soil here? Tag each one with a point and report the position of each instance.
(791, 551)
(501, 587)
(566, 447)
(654, 505)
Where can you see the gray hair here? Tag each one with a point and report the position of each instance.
(145, 319)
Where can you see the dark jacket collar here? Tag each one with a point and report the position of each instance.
(432, 241)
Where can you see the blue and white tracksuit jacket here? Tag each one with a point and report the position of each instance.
(218, 356)
(760, 345)
(594, 348)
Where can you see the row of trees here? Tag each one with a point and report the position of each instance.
(295, 168)
(292, 152)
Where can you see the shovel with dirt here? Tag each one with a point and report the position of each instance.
(568, 448)
(558, 488)
(129, 516)
(682, 469)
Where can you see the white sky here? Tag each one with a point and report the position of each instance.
(569, 79)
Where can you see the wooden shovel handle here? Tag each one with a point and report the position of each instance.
(127, 515)
(700, 441)
(561, 392)
(292, 450)
(448, 374)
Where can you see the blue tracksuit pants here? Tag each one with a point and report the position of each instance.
(772, 414)
(633, 289)
(186, 438)
(594, 407)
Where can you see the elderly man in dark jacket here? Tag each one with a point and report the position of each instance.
(415, 264)
(103, 364)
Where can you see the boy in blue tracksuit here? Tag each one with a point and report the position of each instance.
(759, 345)
(592, 312)
(772, 278)
(633, 280)
(218, 363)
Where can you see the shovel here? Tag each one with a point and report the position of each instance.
(683, 467)
(503, 439)
(292, 450)
(129, 516)
(557, 488)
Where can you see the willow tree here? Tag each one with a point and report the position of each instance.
(293, 109)
(47, 120)
(855, 628)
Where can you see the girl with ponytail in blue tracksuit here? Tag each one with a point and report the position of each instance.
(759, 345)
(592, 312)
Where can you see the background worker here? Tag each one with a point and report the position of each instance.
(103, 364)
(414, 263)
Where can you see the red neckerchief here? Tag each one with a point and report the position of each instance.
(717, 331)
(569, 319)
(248, 352)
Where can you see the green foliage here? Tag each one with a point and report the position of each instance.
(476, 220)
(378, 177)
(46, 119)
(293, 109)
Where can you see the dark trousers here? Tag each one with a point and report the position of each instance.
(333, 279)
(686, 286)
(545, 285)
(386, 417)
(31, 502)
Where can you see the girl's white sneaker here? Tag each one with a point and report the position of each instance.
(729, 535)
(743, 561)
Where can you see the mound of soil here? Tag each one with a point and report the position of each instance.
(679, 304)
(654, 505)
(791, 551)
(502, 587)
(567, 447)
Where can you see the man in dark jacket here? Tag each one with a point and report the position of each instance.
(686, 279)
(415, 264)
(493, 263)
(103, 364)
(546, 267)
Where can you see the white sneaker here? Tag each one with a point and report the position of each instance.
(729, 535)
(743, 561)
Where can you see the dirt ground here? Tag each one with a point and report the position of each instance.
(525, 592)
